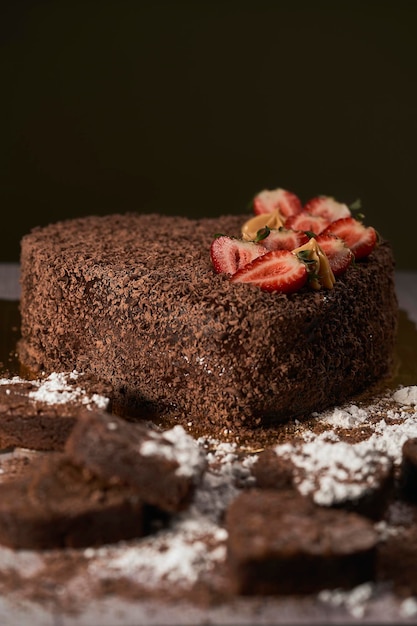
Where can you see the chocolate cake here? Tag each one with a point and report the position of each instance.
(134, 300)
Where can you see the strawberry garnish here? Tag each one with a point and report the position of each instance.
(229, 254)
(327, 207)
(337, 252)
(308, 222)
(359, 238)
(269, 200)
(277, 270)
(281, 238)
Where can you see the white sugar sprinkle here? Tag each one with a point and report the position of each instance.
(55, 389)
(176, 445)
(406, 395)
(334, 471)
(354, 600)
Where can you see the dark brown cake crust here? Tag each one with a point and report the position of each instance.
(30, 417)
(58, 505)
(279, 542)
(408, 471)
(134, 300)
(121, 452)
(371, 500)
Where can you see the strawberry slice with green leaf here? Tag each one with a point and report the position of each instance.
(229, 254)
(359, 238)
(281, 238)
(327, 207)
(269, 200)
(278, 270)
(308, 222)
(337, 252)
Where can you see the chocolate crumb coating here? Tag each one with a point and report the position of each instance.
(281, 543)
(59, 505)
(134, 300)
(163, 467)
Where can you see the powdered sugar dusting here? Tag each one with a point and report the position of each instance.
(406, 395)
(176, 445)
(195, 539)
(57, 389)
(353, 600)
(188, 549)
(332, 470)
(346, 417)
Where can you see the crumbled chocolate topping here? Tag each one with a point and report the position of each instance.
(134, 300)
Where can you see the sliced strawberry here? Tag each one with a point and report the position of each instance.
(327, 207)
(282, 238)
(306, 221)
(337, 252)
(359, 238)
(278, 270)
(269, 200)
(229, 254)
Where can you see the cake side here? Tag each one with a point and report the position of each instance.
(133, 300)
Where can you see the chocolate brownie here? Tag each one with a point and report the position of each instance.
(355, 476)
(134, 299)
(408, 469)
(163, 467)
(58, 504)
(40, 413)
(282, 543)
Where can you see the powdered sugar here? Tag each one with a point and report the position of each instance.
(195, 539)
(176, 445)
(334, 471)
(347, 417)
(180, 554)
(57, 389)
(406, 395)
(353, 600)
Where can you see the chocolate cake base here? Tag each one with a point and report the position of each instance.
(134, 300)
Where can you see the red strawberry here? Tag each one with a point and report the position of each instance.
(285, 201)
(282, 238)
(359, 238)
(307, 221)
(229, 254)
(278, 270)
(339, 255)
(327, 207)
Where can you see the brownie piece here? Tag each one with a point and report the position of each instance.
(330, 471)
(39, 414)
(271, 471)
(58, 504)
(163, 467)
(408, 469)
(281, 543)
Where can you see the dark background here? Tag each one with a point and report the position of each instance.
(191, 107)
